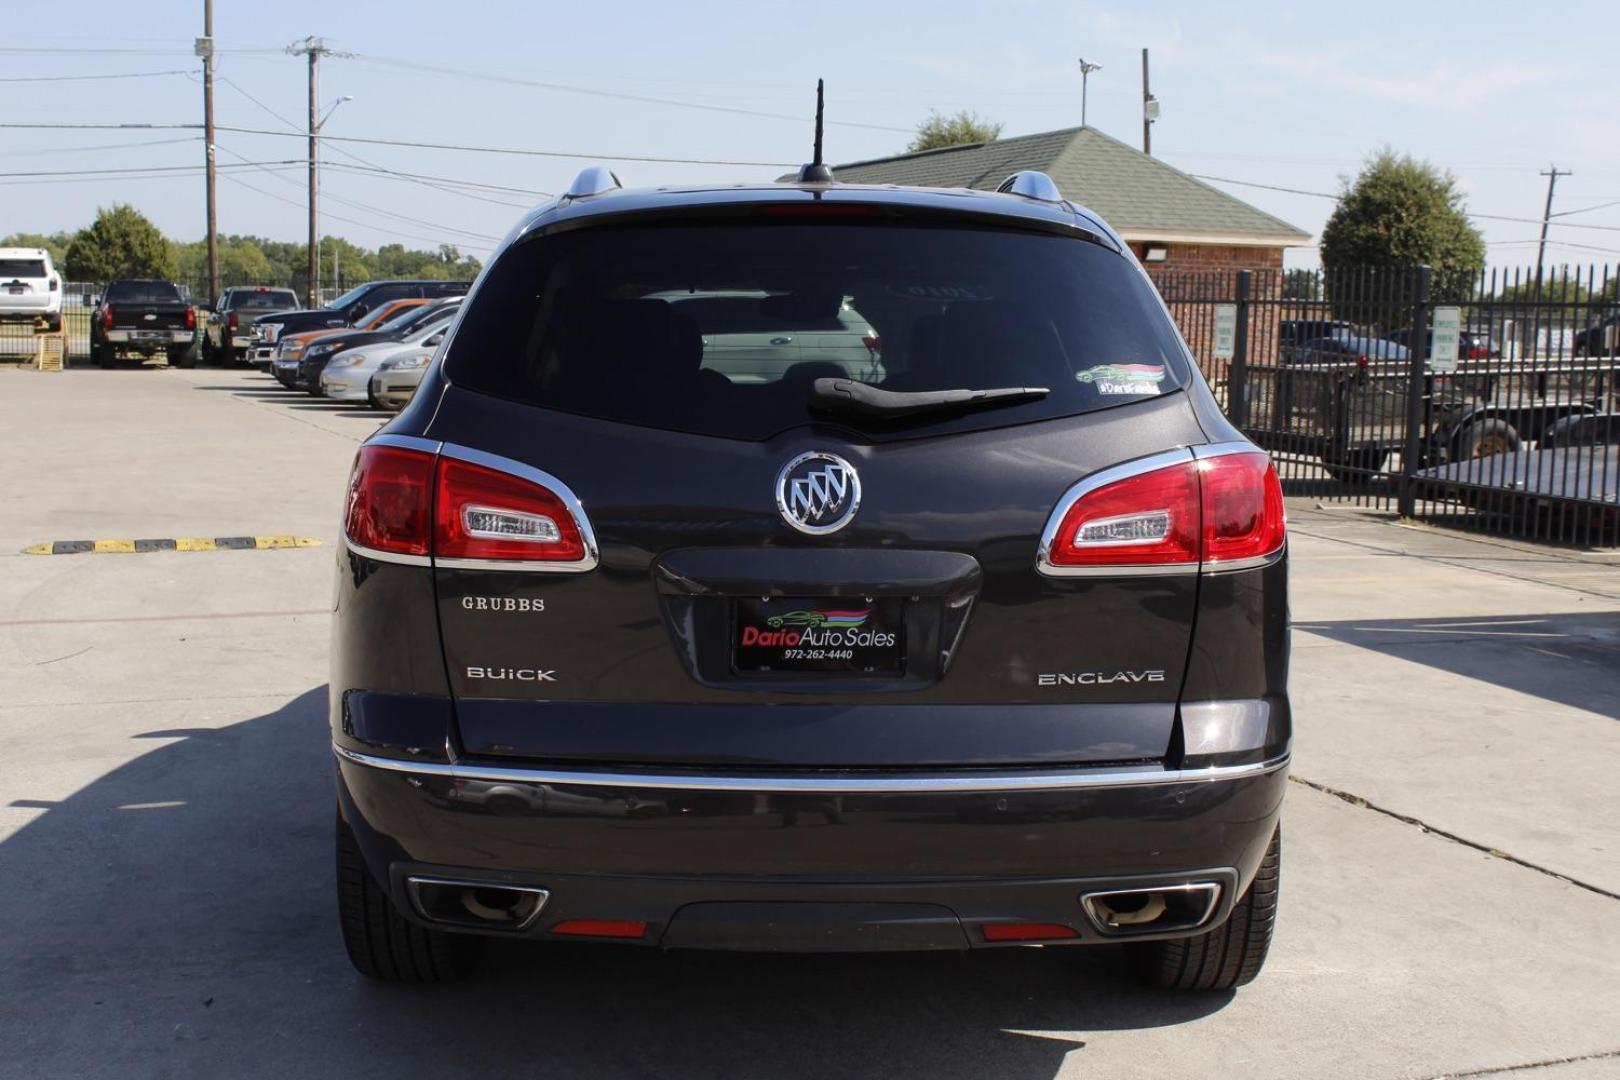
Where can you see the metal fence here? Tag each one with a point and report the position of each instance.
(1347, 377)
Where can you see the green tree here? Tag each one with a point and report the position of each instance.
(959, 129)
(55, 243)
(120, 243)
(1401, 212)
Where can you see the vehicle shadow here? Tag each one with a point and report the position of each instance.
(175, 917)
(1572, 658)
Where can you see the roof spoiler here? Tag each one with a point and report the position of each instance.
(1031, 185)
(592, 180)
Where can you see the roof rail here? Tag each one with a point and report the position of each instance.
(1031, 185)
(592, 180)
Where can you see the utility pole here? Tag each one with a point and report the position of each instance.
(1552, 175)
(205, 49)
(314, 48)
(1085, 75)
(1150, 109)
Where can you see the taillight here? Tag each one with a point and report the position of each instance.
(107, 317)
(232, 323)
(483, 513)
(390, 493)
(191, 319)
(1215, 510)
(409, 502)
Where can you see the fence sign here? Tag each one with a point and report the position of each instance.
(1225, 330)
(1443, 341)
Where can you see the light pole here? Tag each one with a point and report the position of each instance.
(1085, 74)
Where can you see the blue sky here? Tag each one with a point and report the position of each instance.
(1292, 95)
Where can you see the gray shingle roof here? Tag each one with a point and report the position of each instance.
(1130, 190)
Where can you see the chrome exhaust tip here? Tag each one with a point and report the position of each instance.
(476, 905)
(1152, 909)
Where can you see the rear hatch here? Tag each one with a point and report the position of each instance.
(781, 584)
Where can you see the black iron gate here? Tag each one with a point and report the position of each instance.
(1341, 375)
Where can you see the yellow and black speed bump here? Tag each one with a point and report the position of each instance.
(182, 543)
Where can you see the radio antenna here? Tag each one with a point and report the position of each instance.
(817, 171)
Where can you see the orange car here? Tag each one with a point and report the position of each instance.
(290, 349)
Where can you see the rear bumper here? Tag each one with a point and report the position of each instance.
(715, 862)
(155, 339)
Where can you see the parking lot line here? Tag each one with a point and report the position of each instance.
(181, 543)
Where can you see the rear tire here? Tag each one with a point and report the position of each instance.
(381, 943)
(1230, 955)
(1486, 438)
(182, 358)
(104, 354)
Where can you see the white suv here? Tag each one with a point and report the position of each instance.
(30, 287)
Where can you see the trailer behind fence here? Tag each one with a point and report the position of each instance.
(1483, 399)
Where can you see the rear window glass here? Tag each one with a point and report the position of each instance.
(22, 268)
(270, 300)
(722, 329)
(144, 292)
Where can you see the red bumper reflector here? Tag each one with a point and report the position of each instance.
(1028, 931)
(614, 928)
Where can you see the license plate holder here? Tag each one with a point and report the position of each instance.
(847, 636)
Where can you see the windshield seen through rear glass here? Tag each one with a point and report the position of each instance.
(143, 292)
(723, 329)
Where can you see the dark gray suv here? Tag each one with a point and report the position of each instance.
(807, 567)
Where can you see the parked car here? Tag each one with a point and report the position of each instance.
(351, 309)
(228, 333)
(396, 379)
(1471, 344)
(983, 647)
(1299, 331)
(752, 337)
(144, 317)
(1602, 338)
(1345, 349)
(286, 366)
(30, 288)
(402, 327)
(347, 375)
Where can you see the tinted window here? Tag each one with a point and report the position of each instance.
(22, 268)
(350, 297)
(269, 300)
(144, 292)
(722, 329)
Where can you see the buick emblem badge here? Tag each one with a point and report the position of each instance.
(818, 493)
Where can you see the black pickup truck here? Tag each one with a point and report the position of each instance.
(144, 317)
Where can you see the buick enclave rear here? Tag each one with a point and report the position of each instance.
(812, 567)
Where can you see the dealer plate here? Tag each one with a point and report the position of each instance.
(842, 635)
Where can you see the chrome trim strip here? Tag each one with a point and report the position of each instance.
(414, 882)
(407, 442)
(386, 556)
(1232, 566)
(1102, 478)
(1110, 777)
(576, 510)
(1221, 449)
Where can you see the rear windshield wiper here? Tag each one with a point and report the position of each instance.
(850, 397)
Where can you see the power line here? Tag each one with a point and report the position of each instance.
(1470, 213)
(365, 225)
(519, 151)
(142, 169)
(53, 150)
(366, 207)
(425, 181)
(82, 78)
(644, 99)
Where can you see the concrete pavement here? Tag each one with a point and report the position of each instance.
(165, 815)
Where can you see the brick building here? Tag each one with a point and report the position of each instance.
(1171, 220)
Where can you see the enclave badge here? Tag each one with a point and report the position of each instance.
(818, 493)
